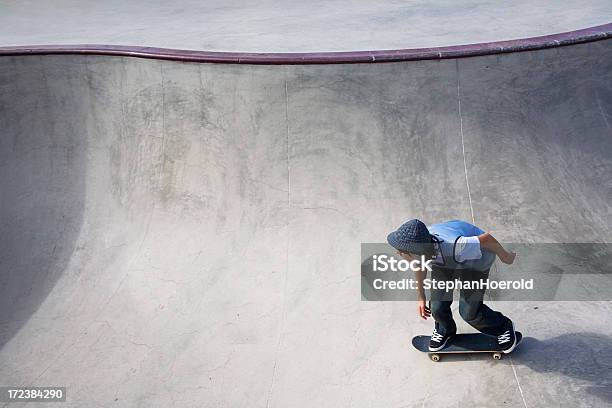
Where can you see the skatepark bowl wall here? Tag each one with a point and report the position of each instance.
(188, 233)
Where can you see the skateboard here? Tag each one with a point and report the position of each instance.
(465, 343)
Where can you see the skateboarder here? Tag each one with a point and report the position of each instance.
(459, 250)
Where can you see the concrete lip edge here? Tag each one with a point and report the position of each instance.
(585, 35)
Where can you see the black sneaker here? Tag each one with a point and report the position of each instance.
(437, 341)
(507, 340)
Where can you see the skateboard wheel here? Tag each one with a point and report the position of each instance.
(435, 357)
(497, 356)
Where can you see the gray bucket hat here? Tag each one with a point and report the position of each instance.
(412, 236)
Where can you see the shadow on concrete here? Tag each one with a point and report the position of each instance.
(585, 356)
(43, 162)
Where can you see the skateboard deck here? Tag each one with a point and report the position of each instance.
(465, 343)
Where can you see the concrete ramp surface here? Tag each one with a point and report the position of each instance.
(185, 234)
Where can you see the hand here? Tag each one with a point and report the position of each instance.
(508, 258)
(423, 310)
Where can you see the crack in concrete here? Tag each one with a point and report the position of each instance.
(282, 323)
(467, 181)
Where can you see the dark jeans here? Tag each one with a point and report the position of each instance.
(471, 308)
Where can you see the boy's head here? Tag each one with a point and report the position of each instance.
(412, 238)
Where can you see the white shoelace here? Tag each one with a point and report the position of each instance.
(435, 336)
(504, 338)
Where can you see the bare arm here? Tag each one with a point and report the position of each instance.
(420, 276)
(488, 241)
(422, 308)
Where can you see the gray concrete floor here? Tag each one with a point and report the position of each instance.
(178, 234)
(291, 26)
(181, 234)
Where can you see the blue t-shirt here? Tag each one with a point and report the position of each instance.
(457, 246)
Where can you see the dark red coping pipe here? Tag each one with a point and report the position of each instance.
(591, 34)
